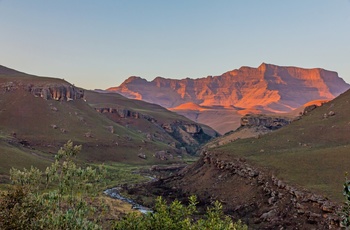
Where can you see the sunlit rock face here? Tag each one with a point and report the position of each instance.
(268, 87)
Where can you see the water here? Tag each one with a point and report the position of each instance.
(114, 193)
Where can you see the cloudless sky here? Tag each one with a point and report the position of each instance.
(98, 44)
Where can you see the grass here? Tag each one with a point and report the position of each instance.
(120, 173)
(313, 152)
(16, 157)
(320, 169)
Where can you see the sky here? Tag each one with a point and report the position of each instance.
(98, 44)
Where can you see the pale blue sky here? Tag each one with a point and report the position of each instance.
(98, 44)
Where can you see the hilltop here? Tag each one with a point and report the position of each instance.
(266, 89)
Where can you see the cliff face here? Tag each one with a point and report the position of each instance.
(270, 122)
(271, 87)
(189, 134)
(57, 92)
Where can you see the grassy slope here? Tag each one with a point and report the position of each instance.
(18, 157)
(30, 118)
(161, 114)
(313, 152)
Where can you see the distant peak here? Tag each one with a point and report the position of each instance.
(158, 78)
(262, 67)
(134, 79)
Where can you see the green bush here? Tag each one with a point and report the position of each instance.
(176, 216)
(58, 198)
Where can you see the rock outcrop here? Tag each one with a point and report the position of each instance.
(126, 113)
(57, 92)
(52, 91)
(270, 122)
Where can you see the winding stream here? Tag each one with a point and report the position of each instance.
(114, 193)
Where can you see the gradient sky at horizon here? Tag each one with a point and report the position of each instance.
(98, 44)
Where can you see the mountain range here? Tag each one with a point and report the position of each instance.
(220, 101)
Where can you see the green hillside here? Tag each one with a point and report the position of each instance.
(313, 152)
(34, 125)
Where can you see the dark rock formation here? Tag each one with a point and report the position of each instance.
(47, 91)
(57, 92)
(126, 113)
(270, 122)
(142, 156)
(163, 155)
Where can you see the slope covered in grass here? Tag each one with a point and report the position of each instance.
(34, 126)
(313, 152)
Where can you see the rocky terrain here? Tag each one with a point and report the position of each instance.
(266, 89)
(253, 195)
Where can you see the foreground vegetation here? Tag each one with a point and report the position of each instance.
(66, 196)
(176, 216)
(59, 198)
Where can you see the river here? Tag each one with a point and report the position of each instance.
(115, 194)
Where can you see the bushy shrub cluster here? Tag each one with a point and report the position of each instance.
(58, 198)
(177, 216)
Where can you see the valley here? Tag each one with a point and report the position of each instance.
(279, 161)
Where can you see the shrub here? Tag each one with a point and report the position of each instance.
(55, 199)
(176, 216)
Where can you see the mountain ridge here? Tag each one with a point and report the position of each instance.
(267, 89)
